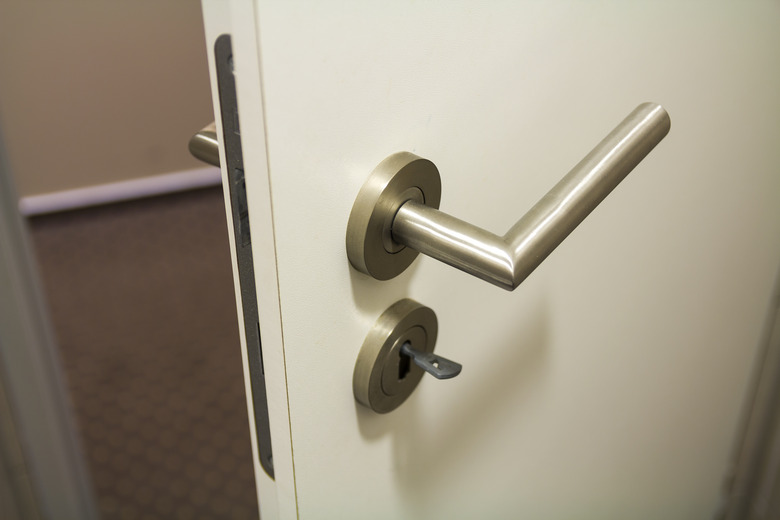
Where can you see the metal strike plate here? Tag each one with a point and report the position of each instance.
(384, 377)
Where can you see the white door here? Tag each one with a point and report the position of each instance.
(609, 384)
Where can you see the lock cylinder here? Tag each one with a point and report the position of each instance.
(396, 354)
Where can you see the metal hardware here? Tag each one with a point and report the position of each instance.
(204, 144)
(399, 178)
(407, 223)
(236, 185)
(437, 366)
(384, 375)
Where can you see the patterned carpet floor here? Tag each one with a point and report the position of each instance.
(141, 298)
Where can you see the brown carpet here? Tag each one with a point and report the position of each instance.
(141, 297)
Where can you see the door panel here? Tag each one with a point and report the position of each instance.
(609, 383)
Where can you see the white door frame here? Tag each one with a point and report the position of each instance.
(46, 471)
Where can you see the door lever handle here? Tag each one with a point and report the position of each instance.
(204, 144)
(396, 215)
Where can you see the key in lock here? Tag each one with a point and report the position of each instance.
(396, 353)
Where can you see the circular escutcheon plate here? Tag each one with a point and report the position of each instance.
(380, 382)
(400, 177)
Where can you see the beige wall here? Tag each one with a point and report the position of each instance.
(94, 92)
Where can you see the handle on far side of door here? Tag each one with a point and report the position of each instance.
(396, 216)
(204, 145)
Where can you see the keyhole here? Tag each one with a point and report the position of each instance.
(404, 366)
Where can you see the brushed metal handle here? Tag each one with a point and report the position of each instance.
(400, 203)
(204, 145)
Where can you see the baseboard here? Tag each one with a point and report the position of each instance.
(119, 191)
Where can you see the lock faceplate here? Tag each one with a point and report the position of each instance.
(383, 377)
